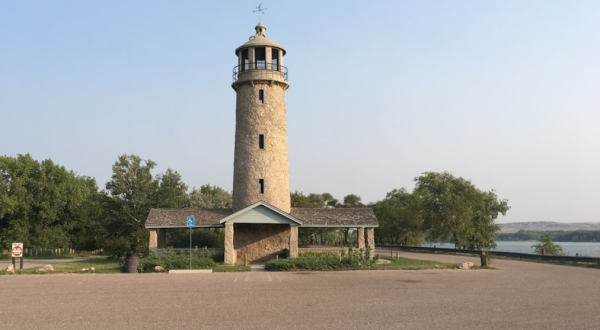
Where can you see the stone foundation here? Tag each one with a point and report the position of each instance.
(260, 242)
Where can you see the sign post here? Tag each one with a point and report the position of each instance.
(190, 224)
(17, 252)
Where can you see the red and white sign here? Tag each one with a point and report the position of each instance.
(17, 250)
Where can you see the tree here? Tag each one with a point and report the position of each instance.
(133, 191)
(210, 197)
(42, 204)
(454, 209)
(546, 246)
(399, 217)
(171, 191)
(352, 201)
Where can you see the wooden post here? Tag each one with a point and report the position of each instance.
(13, 262)
(21, 266)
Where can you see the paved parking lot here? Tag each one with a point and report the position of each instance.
(519, 295)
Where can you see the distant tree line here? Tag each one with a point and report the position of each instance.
(557, 235)
(44, 205)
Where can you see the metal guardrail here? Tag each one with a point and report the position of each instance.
(493, 253)
(262, 67)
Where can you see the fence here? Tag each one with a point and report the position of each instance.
(493, 253)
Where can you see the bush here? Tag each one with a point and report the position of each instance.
(116, 248)
(180, 238)
(324, 261)
(4, 256)
(546, 246)
(172, 259)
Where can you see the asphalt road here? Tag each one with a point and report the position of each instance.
(519, 295)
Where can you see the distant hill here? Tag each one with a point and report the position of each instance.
(548, 225)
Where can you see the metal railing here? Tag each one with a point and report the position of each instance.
(492, 252)
(267, 70)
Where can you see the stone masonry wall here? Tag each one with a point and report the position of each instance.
(260, 242)
(252, 163)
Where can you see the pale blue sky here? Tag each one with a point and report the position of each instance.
(504, 93)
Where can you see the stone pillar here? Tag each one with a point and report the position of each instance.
(229, 248)
(360, 234)
(162, 238)
(371, 240)
(293, 252)
(153, 242)
(268, 58)
(252, 58)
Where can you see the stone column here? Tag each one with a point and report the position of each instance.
(268, 58)
(293, 241)
(360, 234)
(229, 248)
(162, 238)
(371, 240)
(153, 241)
(252, 58)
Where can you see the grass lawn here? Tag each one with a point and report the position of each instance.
(226, 268)
(411, 264)
(101, 265)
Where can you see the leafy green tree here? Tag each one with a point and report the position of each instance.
(133, 191)
(210, 197)
(171, 191)
(454, 209)
(352, 201)
(399, 216)
(42, 204)
(546, 246)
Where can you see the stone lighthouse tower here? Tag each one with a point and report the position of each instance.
(261, 170)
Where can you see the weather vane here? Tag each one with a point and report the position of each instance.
(260, 11)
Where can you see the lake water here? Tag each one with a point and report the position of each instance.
(584, 249)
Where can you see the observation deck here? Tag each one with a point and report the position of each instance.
(259, 70)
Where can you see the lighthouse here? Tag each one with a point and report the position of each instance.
(261, 169)
(261, 224)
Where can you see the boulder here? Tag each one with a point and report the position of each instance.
(464, 265)
(48, 268)
(10, 269)
(159, 269)
(93, 269)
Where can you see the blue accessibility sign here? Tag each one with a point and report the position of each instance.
(190, 222)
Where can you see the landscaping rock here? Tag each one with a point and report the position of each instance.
(159, 269)
(10, 269)
(464, 265)
(93, 269)
(48, 268)
(85, 269)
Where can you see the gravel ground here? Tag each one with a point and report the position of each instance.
(519, 295)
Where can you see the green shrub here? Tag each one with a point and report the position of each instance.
(324, 261)
(171, 259)
(180, 238)
(4, 256)
(117, 247)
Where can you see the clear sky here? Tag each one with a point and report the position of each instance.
(504, 93)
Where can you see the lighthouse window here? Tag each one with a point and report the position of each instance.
(261, 141)
(261, 58)
(261, 96)
(245, 60)
(261, 186)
